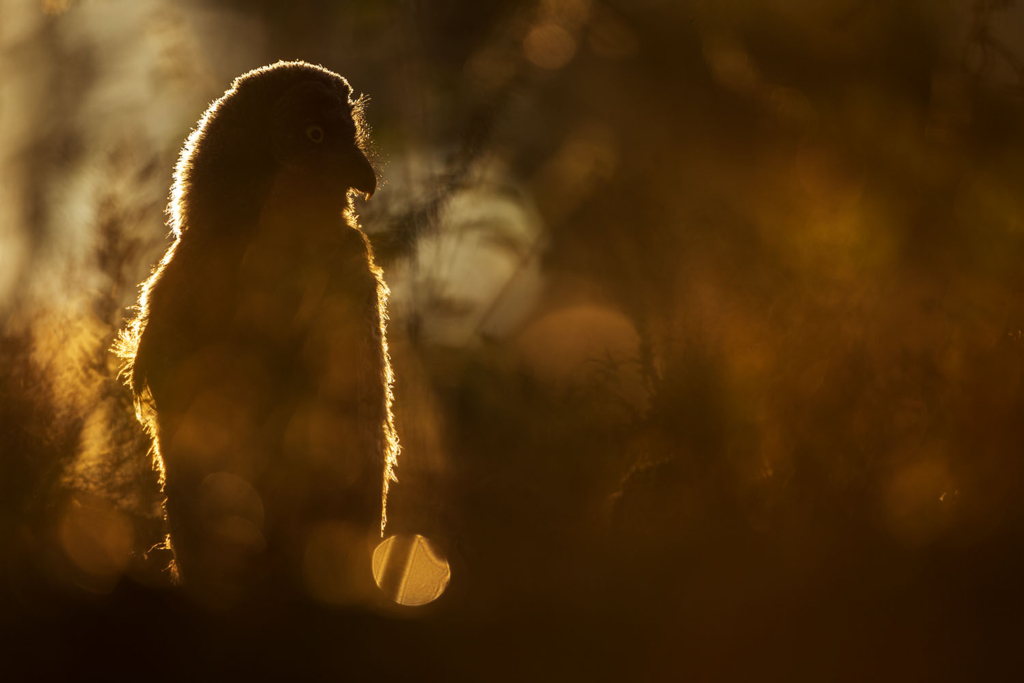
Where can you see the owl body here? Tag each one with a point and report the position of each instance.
(259, 356)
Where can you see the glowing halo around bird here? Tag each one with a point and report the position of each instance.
(259, 347)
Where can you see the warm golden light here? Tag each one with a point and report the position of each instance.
(549, 46)
(97, 539)
(410, 570)
(688, 335)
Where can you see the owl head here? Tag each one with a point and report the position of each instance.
(287, 118)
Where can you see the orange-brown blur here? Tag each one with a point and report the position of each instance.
(706, 319)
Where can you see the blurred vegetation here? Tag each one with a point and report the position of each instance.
(708, 328)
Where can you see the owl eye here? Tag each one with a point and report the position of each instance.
(315, 132)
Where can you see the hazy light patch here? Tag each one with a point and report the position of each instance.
(569, 13)
(12, 256)
(223, 494)
(54, 7)
(490, 68)
(410, 570)
(549, 46)
(558, 343)
(64, 342)
(107, 470)
(791, 106)
(730, 64)
(478, 274)
(612, 38)
(826, 178)
(588, 158)
(987, 198)
(18, 129)
(95, 466)
(21, 19)
(236, 539)
(91, 139)
(918, 496)
(98, 540)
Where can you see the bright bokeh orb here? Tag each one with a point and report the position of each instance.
(410, 570)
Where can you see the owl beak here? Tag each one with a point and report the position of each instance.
(365, 179)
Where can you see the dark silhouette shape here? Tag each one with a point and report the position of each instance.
(258, 357)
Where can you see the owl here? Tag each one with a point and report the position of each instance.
(258, 356)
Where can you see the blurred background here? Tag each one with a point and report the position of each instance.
(707, 320)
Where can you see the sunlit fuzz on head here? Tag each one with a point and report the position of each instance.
(291, 114)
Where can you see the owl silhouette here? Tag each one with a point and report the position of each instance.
(258, 356)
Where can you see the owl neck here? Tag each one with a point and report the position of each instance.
(305, 202)
(222, 211)
(291, 198)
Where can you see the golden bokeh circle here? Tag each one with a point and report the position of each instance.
(410, 569)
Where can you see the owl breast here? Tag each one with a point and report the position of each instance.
(272, 424)
(307, 314)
